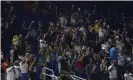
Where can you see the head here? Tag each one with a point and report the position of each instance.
(96, 21)
(113, 45)
(113, 62)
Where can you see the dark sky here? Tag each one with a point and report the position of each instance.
(118, 7)
(102, 6)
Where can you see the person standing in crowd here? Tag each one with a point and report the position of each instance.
(10, 72)
(127, 75)
(101, 33)
(112, 71)
(104, 70)
(80, 67)
(12, 54)
(32, 71)
(59, 63)
(39, 73)
(24, 69)
(131, 74)
(88, 69)
(17, 70)
(5, 65)
(121, 64)
(113, 55)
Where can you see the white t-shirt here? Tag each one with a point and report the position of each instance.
(106, 47)
(10, 74)
(61, 20)
(24, 67)
(118, 43)
(131, 76)
(11, 56)
(42, 43)
(127, 76)
(82, 29)
(73, 21)
(17, 72)
(113, 72)
(102, 32)
(121, 59)
(78, 49)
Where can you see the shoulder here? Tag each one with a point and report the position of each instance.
(109, 67)
(125, 75)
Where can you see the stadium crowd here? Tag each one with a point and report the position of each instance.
(73, 45)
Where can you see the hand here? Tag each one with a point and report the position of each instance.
(124, 29)
(11, 8)
(39, 21)
(32, 21)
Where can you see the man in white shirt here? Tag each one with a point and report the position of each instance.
(121, 59)
(112, 71)
(11, 55)
(102, 32)
(131, 74)
(17, 70)
(24, 69)
(105, 46)
(121, 62)
(128, 76)
(43, 43)
(10, 73)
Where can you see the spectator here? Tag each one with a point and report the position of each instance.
(112, 71)
(113, 55)
(59, 63)
(121, 62)
(80, 67)
(24, 69)
(17, 70)
(127, 75)
(81, 48)
(131, 75)
(102, 33)
(10, 72)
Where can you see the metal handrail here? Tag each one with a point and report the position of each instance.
(76, 77)
(49, 70)
(51, 75)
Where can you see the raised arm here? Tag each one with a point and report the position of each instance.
(30, 25)
(31, 66)
(23, 25)
(9, 69)
(110, 68)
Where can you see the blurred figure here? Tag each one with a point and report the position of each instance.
(127, 76)
(17, 70)
(112, 71)
(112, 52)
(10, 72)
(102, 33)
(24, 69)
